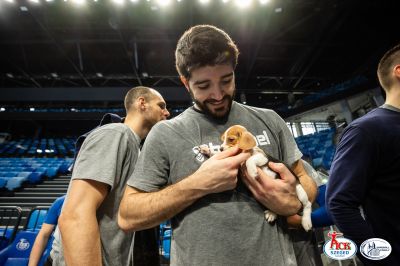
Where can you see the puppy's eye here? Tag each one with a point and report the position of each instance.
(231, 139)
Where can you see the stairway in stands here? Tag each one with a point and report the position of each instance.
(31, 196)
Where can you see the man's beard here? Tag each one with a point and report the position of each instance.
(215, 115)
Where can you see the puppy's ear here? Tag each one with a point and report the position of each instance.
(247, 141)
(223, 136)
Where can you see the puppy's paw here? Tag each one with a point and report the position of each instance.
(306, 223)
(270, 216)
(204, 149)
(252, 171)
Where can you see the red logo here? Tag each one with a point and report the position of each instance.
(338, 247)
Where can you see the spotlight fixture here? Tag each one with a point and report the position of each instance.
(243, 3)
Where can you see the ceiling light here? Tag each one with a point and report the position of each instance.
(78, 2)
(204, 1)
(119, 2)
(163, 2)
(243, 3)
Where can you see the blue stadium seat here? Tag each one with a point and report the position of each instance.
(36, 219)
(317, 162)
(3, 182)
(35, 177)
(17, 253)
(15, 182)
(166, 244)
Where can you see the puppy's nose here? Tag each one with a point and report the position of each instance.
(221, 148)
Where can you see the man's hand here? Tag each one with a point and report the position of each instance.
(278, 195)
(141, 210)
(219, 173)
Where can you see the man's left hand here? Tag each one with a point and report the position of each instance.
(278, 195)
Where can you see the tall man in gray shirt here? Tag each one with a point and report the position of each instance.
(88, 222)
(217, 217)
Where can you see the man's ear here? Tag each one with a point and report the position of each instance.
(397, 71)
(185, 82)
(141, 104)
(247, 141)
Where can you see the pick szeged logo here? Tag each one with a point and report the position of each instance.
(375, 249)
(339, 248)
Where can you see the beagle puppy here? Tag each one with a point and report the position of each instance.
(239, 136)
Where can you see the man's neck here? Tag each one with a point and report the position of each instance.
(393, 98)
(135, 122)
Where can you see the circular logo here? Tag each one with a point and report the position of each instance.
(23, 244)
(375, 249)
(340, 248)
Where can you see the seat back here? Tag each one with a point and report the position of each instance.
(36, 218)
(17, 253)
(10, 219)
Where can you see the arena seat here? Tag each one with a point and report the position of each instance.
(166, 244)
(10, 219)
(17, 253)
(36, 218)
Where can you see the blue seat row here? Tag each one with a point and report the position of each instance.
(50, 146)
(319, 147)
(15, 171)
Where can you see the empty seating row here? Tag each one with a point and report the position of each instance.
(15, 171)
(50, 146)
(319, 147)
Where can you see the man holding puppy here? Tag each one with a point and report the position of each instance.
(217, 218)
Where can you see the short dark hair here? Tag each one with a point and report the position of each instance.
(204, 45)
(385, 66)
(136, 92)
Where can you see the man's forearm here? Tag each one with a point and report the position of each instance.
(142, 210)
(37, 249)
(80, 238)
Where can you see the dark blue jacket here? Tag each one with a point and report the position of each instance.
(366, 172)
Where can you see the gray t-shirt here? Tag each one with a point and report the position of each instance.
(108, 155)
(226, 228)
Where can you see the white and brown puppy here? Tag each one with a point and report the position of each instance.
(239, 136)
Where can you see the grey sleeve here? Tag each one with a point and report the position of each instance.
(152, 168)
(290, 151)
(99, 156)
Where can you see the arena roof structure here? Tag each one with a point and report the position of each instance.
(290, 49)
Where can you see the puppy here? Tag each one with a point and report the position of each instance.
(239, 136)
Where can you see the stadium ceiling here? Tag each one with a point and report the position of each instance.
(289, 48)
